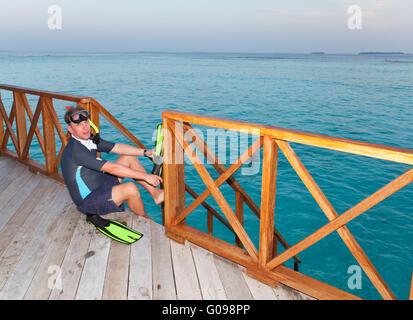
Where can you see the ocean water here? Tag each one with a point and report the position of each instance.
(360, 97)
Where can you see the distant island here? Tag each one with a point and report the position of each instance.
(378, 52)
(318, 52)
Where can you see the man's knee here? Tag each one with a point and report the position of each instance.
(132, 189)
(126, 160)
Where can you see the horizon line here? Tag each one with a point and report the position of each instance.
(202, 51)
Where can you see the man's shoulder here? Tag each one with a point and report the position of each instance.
(72, 147)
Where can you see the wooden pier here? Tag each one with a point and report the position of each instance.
(198, 265)
(48, 251)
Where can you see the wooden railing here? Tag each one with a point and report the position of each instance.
(21, 113)
(45, 114)
(264, 263)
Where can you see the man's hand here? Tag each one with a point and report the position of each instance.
(153, 179)
(149, 153)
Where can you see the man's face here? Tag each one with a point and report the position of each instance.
(79, 130)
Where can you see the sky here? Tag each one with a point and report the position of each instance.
(296, 26)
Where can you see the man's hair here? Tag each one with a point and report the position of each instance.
(71, 111)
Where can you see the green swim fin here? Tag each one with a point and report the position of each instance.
(114, 229)
(158, 156)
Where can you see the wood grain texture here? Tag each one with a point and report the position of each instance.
(269, 176)
(162, 272)
(49, 271)
(140, 271)
(20, 121)
(232, 279)
(74, 261)
(208, 276)
(117, 269)
(186, 278)
(22, 274)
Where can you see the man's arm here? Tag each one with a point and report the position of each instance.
(127, 150)
(126, 172)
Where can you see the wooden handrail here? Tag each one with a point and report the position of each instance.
(267, 267)
(48, 94)
(317, 140)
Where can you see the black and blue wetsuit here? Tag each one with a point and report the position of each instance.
(89, 188)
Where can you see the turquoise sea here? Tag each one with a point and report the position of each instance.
(360, 97)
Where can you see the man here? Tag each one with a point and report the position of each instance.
(94, 184)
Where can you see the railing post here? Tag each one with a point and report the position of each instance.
(20, 123)
(174, 177)
(94, 115)
(49, 139)
(269, 173)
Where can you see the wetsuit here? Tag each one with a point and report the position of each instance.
(89, 188)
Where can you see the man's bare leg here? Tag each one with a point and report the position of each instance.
(129, 192)
(133, 163)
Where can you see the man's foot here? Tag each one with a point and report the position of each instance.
(144, 215)
(159, 197)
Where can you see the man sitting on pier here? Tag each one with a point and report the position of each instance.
(94, 184)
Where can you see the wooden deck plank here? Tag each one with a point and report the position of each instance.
(117, 271)
(49, 269)
(163, 285)
(94, 271)
(140, 271)
(259, 290)
(73, 262)
(186, 278)
(6, 164)
(23, 273)
(10, 191)
(208, 276)
(10, 207)
(4, 161)
(281, 293)
(23, 212)
(11, 174)
(26, 234)
(232, 279)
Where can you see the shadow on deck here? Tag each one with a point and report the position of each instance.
(48, 251)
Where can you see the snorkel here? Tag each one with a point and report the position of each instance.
(96, 136)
